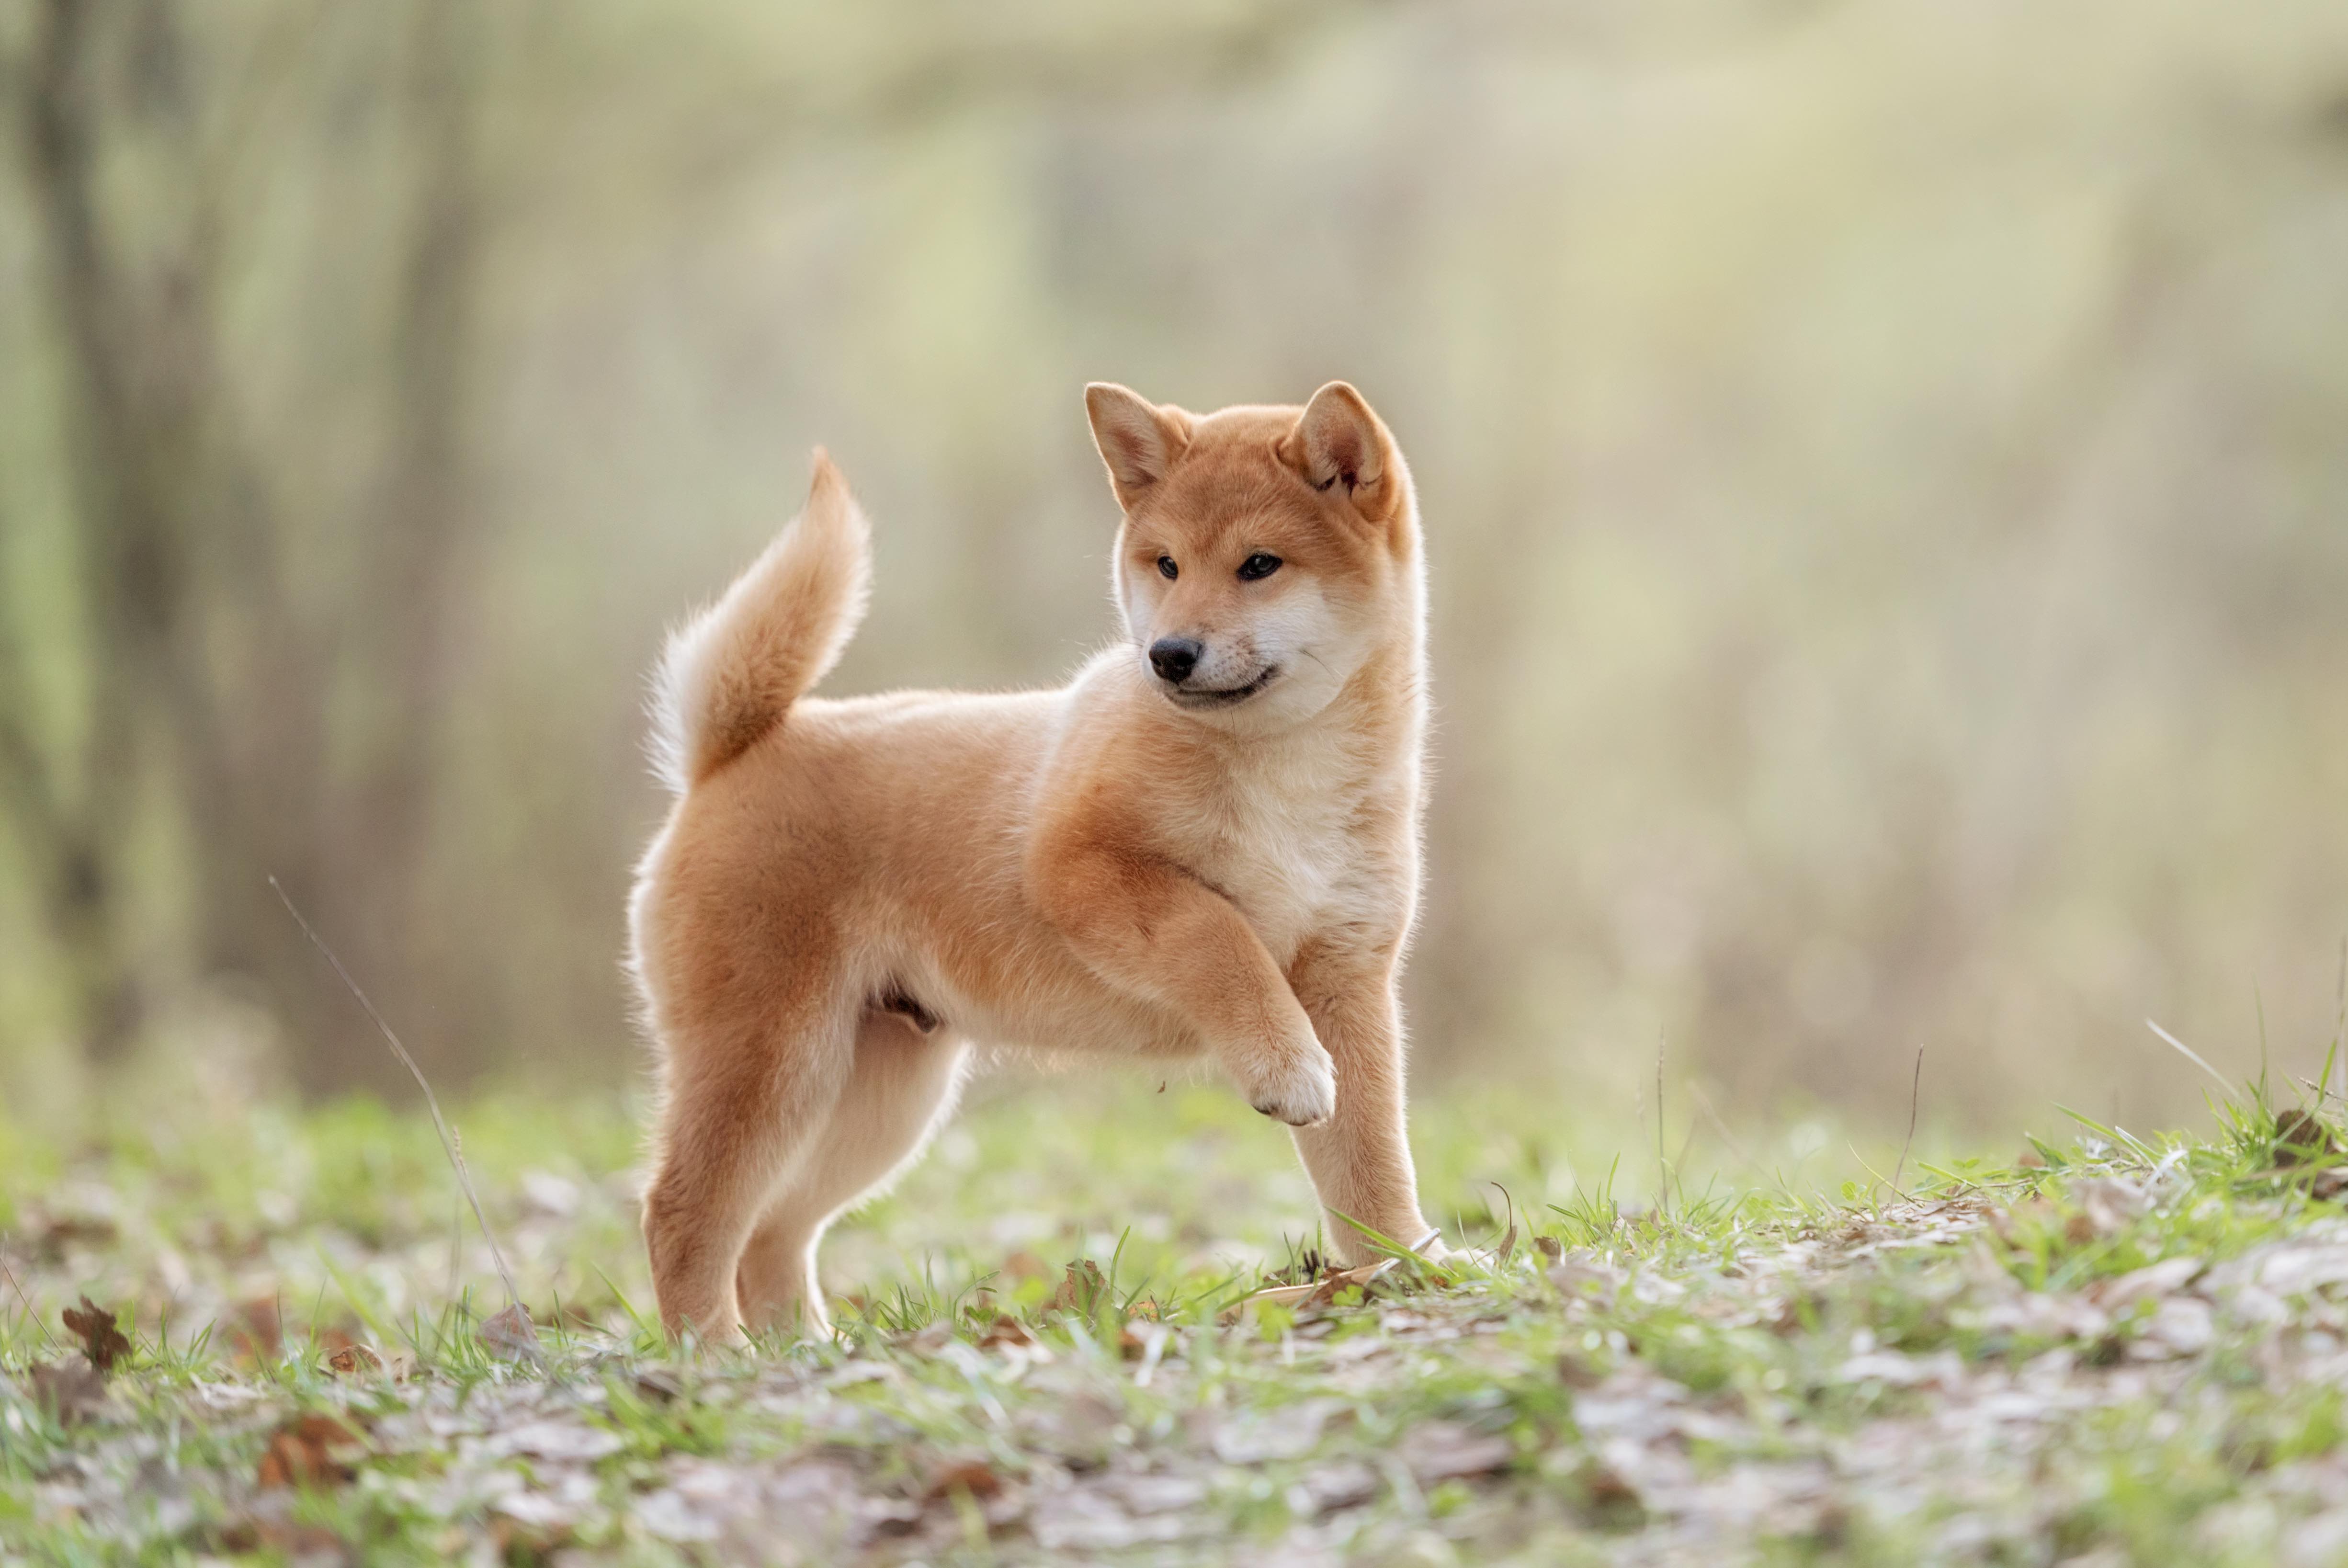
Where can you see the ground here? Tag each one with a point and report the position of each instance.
(1078, 1336)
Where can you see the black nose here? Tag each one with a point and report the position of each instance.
(1174, 658)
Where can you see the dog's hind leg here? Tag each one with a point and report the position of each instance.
(900, 1090)
(743, 1105)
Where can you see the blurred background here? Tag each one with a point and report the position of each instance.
(1885, 469)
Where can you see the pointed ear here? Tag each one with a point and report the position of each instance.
(1137, 440)
(1340, 445)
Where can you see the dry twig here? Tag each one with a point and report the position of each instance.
(448, 1139)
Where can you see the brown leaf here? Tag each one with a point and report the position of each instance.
(1551, 1250)
(312, 1450)
(1607, 1491)
(1353, 1279)
(102, 1340)
(511, 1333)
(71, 1391)
(1006, 1330)
(1024, 1264)
(1079, 1289)
(257, 1331)
(274, 1530)
(1283, 1295)
(61, 1236)
(353, 1360)
(972, 1477)
(1144, 1342)
(2301, 1139)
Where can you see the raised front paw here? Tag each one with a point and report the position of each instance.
(1297, 1085)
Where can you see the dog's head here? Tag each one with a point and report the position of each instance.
(1266, 553)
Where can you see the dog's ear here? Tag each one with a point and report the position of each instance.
(1137, 440)
(1341, 447)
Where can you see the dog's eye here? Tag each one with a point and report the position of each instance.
(1166, 569)
(1258, 565)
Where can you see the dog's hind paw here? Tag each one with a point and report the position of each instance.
(1299, 1088)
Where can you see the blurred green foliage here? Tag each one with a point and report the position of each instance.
(1886, 469)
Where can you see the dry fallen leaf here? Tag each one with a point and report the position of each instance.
(1079, 1289)
(511, 1333)
(927, 1341)
(101, 1339)
(2150, 1282)
(1607, 1491)
(1313, 1292)
(2180, 1325)
(1288, 1432)
(2110, 1204)
(2008, 1225)
(1445, 1450)
(57, 1236)
(1350, 1279)
(256, 1330)
(1346, 1484)
(268, 1524)
(1270, 1296)
(1578, 1278)
(1006, 1330)
(2301, 1139)
(353, 1360)
(71, 1391)
(312, 1450)
(973, 1478)
(565, 1442)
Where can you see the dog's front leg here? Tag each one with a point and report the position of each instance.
(1150, 929)
(1360, 1159)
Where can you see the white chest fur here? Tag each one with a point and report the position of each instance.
(1309, 834)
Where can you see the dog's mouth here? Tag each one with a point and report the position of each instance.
(1192, 696)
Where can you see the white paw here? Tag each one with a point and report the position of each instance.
(1298, 1087)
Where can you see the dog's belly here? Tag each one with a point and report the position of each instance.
(1046, 1000)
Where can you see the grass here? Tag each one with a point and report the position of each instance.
(1053, 1349)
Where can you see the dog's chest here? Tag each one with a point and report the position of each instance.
(1298, 846)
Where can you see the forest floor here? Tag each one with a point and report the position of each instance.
(1080, 1340)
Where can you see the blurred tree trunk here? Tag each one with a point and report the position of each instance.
(201, 667)
(407, 599)
(132, 430)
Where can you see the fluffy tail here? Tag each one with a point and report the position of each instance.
(728, 677)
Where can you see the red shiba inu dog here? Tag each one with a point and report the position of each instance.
(1206, 842)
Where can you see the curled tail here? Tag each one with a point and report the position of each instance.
(726, 677)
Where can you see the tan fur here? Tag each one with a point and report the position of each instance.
(850, 894)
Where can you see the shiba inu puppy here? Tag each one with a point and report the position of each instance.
(1205, 843)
